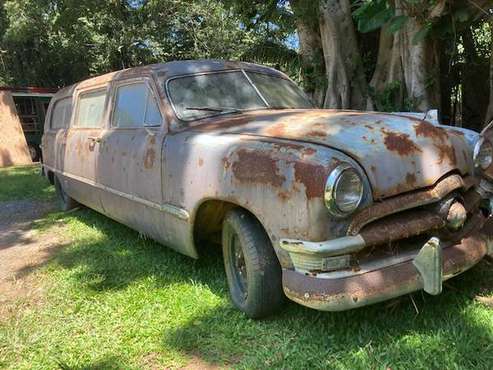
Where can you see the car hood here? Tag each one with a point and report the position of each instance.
(398, 153)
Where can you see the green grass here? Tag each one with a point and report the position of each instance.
(24, 182)
(115, 300)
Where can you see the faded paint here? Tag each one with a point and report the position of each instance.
(273, 163)
(399, 146)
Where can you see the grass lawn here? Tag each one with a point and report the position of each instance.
(24, 182)
(114, 300)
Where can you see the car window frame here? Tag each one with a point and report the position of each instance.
(281, 78)
(148, 82)
(173, 107)
(51, 110)
(85, 91)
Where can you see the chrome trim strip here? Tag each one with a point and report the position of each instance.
(329, 248)
(256, 88)
(165, 207)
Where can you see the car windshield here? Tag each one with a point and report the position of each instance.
(204, 95)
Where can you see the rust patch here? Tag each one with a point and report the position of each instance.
(456, 132)
(149, 158)
(411, 180)
(258, 167)
(439, 136)
(316, 133)
(283, 195)
(400, 143)
(312, 176)
(309, 151)
(446, 152)
(226, 163)
(433, 132)
(276, 130)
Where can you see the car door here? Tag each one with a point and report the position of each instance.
(129, 166)
(82, 144)
(55, 133)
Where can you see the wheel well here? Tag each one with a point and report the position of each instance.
(209, 218)
(208, 222)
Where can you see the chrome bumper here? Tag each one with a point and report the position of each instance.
(433, 264)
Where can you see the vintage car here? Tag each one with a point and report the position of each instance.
(334, 209)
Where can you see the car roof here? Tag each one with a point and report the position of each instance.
(169, 70)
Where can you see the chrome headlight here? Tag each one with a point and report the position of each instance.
(483, 154)
(343, 190)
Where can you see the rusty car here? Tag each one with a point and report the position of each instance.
(335, 209)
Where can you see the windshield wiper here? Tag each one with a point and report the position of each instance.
(215, 109)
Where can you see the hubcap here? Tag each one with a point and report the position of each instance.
(239, 265)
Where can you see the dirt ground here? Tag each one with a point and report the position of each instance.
(22, 249)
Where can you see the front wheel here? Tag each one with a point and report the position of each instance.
(66, 202)
(252, 268)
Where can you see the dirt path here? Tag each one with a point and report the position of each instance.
(22, 249)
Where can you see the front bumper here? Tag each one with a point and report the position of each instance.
(333, 292)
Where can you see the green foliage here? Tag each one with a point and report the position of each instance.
(372, 15)
(396, 23)
(58, 42)
(391, 99)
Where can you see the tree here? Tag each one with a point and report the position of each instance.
(306, 15)
(489, 112)
(58, 42)
(346, 84)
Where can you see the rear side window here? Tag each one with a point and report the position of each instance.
(62, 111)
(135, 106)
(90, 109)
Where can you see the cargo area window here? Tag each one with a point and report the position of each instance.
(62, 111)
(90, 109)
(136, 106)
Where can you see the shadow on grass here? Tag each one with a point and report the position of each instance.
(119, 256)
(450, 329)
(111, 363)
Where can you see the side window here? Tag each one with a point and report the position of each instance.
(91, 109)
(135, 106)
(62, 111)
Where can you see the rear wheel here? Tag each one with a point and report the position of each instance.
(252, 268)
(33, 152)
(66, 202)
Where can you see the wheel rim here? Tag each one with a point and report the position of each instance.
(32, 153)
(239, 265)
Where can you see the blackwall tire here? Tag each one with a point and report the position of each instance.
(252, 268)
(65, 201)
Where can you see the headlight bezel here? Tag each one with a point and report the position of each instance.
(478, 148)
(330, 195)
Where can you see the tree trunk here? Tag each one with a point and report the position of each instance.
(474, 83)
(411, 68)
(306, 16)
(489, 113)
(347, 87)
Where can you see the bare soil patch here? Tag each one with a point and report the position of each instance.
(23, 249)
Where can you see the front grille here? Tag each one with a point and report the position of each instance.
(410, 200)
(419, 213)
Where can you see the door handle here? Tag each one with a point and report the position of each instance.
(95, 139)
